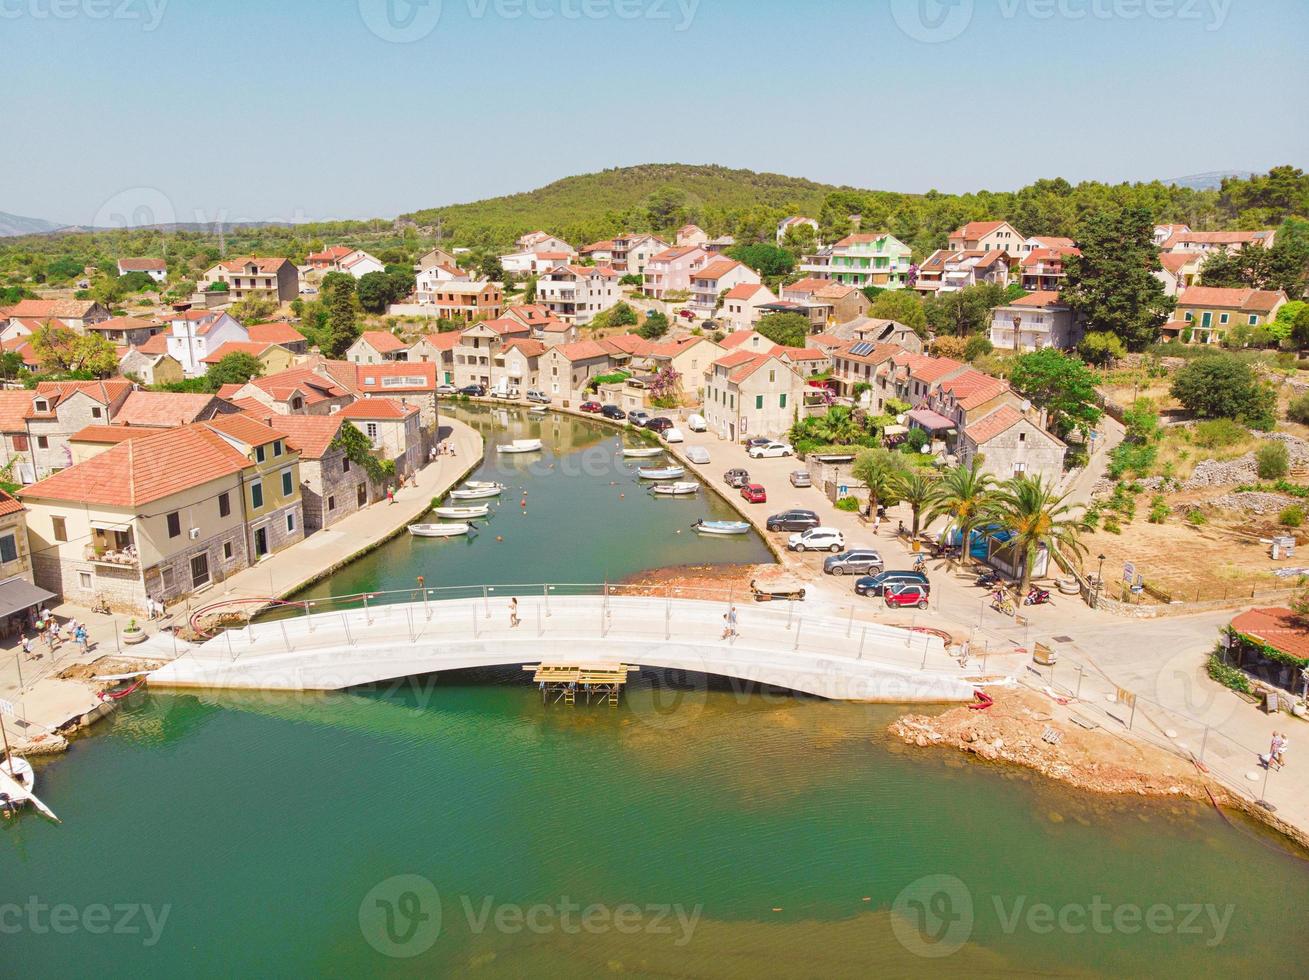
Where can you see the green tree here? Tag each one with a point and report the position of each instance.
(1222, 386)
(961, 496)
(1272, 461)
(61, 350)
(1101, 348)
(767, 260)
(235, 369)
(490, 268)
(136, 282)
(1036, 515)
(342, 326)
(903, 306)
(252, 309)
(1112, 282)
(64, 269)
(965, 311)
(107, 291)
(880, 470)
(1060, 384)
(917, 488)
(655, 326)
(787, 329)
(375, 291)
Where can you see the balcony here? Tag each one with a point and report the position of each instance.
(112, 545)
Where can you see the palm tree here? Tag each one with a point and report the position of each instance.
(917, 488)
(880, 471)
(961, 495)
(1036, 515)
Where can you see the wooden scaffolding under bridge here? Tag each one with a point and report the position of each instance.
(564, 682)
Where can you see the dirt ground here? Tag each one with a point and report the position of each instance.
(691, 581)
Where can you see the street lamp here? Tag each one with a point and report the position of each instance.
(1099, 580)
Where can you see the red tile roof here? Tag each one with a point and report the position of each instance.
(1049, 254)
(72, 309)
(157, 344)
(244, 429)
(125, 323)
(1040, 299)
(277, 332)
(582, 350)
(331, 254)
(162, 409)
(383, 342)
(1174, 261)
(716, 269)
(1215, 238)
(310, 435)
(1276, 627)
(809, 285)
(112, 434)
(377, 408)
(263, 265)
(526, 346)
(863, 238)
(1001, 420)
(736, 338)
(443, 341)
(142, 265)
(976, 229)
(745, 290)
(14, 406)
(1256, 300)
(973, 388)
(9, 505)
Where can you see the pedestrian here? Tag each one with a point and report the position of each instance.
(390, 495)
(1273, 748)
(1279, 749)
(513, 612)
(729, 623)
(27, 646)
(877, 521)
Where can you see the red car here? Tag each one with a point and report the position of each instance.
(754, 493)
(686, 314)
(906, 594)
(590, 407)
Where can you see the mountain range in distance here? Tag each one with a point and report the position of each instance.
(1210, 181)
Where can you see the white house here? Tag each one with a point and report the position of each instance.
(716, 278)
(359, 263)
(576, 293)
(156, 269)
(741, 305)
(795, 221)
(1036, 320)
(196, 334)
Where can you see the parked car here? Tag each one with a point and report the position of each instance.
(771, 450)
(593, 407)
(817, 539)
(756, 441)
(638, 416)
(872, 585)
(613, 412)
(736, 477)
(697, 423)
(697, 454)
(801, 478)
(861, 561)
(686, 314)
(793, 520)
(474, 391)
(904, 594)
(754, 493)
(447, 390)
(673, 434)
(659, 424)
(540, 397)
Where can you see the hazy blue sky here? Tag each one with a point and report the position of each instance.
(284, 109)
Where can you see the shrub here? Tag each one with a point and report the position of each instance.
(1131, 457)
(1291, 516)
(1196, 517)
(1218, 433)
(979, 345)
(1159, 510)
(848, 504)
(1298, 410)
(1225, 675)
(1112, 526)
(1272, 461)
(1223, 386)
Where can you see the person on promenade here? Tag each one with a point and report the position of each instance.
(27, 646)
(513, 612)
(390, 495)
(729, 623)
(1279, 755)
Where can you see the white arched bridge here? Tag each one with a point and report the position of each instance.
(331, 644)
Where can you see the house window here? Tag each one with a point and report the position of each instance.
(60, 528)
(8, 549)
(758, 401)
(290, 522)
(1254, 319)
(781, 401)
(1188, 316)
(42, 442)
(1022, 437)
(41, 405)
(372, 430)
(227, 551)
(174, 524)
(224, 505)
(259, 454)
(1222, 318)
(345, 465)
(84, 581)
(288, 485)
(297, 403)
(331, 502)
(95, 412)
(277, 448)
(256, 495)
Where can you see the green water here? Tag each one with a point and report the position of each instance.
(270, 834)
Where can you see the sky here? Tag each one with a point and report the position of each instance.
(143, 111)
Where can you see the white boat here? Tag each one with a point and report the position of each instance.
(661, 472)
(16, 782)
(538, 409)
(469, 492)
(461, 513)
(520, 446)
(21, 770)
(481, 485)
(721, 527)
(439, 530)
(641, 453)
(675, 489)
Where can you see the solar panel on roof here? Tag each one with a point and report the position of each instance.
(862, 348)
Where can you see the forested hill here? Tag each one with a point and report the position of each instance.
(662, 197)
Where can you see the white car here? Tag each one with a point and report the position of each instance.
(817, 539)
(771, 450)
(697, 423)
(674, 435)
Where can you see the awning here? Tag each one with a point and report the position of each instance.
(894, 430)
(18, 594)
(110, 526)
(931, 421)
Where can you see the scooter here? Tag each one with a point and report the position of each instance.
(1036, 597)
(920, 564)
(989, 580)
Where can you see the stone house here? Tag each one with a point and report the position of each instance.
(1034, 321)
(564, 370)
(301, 390)
(275, 279)
(75, 314)
(332, 486)
(741, 305)
(150, 369)
(129, 331)
(410, 384)
(392, 428)
(271, 357)
(479, 354)
(57, 409)
(376, 346)
(438, 349)
(1011, 444)
(15, 551)
(748, 394)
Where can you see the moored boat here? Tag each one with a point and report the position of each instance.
(470, 491)
(21, 770)
(520, 446)
(675, 489)
(461, 513)
(632, 453)
(721, 527)
(661, 472)
(439, 530)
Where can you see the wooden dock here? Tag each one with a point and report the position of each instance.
(565, 682)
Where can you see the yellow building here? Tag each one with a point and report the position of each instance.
(272, 357)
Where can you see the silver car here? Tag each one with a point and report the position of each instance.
(801, 478)
(859, 561)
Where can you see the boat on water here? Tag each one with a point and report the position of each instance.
(538, 410)
(721, 527)
(439, 530)
(481, 485)
(17, 780)
(661, 472)
(21, 771)
(631, 453)
(461, 513)
(675, 489)
(477, 492)
(520, 446)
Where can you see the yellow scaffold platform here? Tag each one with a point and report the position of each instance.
(564, 682)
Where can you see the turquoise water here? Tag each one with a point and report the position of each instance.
(709, 831)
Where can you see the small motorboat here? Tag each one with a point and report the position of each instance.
(439, 530)
(16, 783)
(661, 472)
(721, 527)
(675, 489)
(461, 513)
(632, 453)
(470, 491)
(538, 410)
(481, 485)
(21, 771)
(520, 446)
